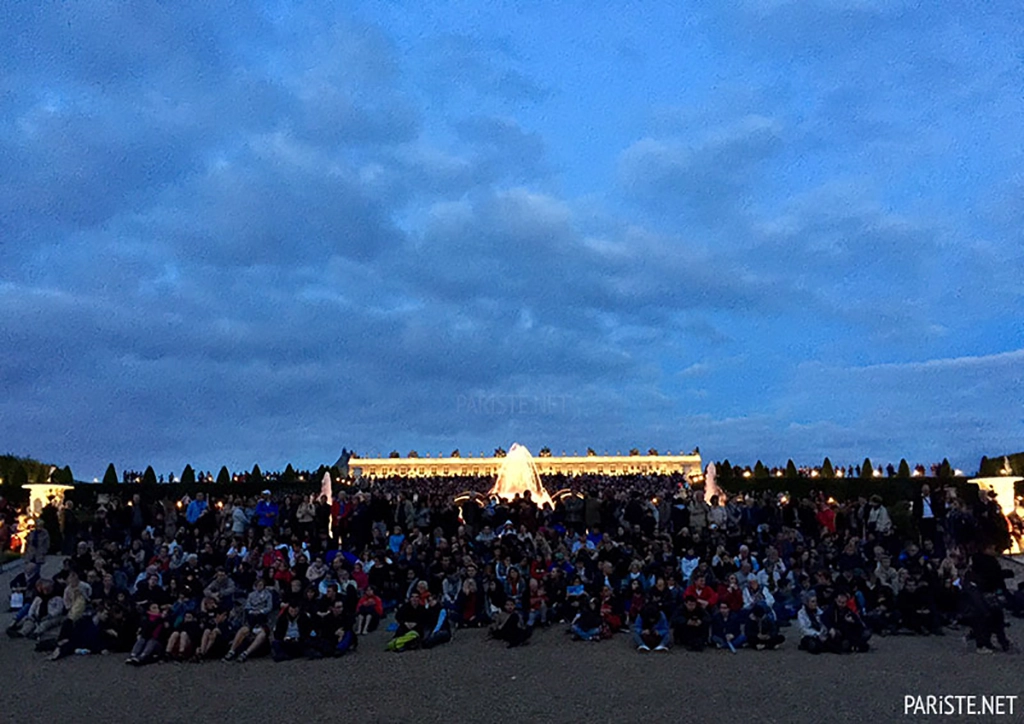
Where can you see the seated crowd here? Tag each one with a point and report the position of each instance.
(299, 577)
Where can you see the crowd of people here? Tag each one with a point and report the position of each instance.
(647, 557)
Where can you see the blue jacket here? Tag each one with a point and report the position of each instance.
(266, 513)
(195, 509)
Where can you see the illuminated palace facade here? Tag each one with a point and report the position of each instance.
(687, 465)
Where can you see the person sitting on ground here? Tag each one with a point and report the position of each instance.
(726, 630)
(149, 642)
(336, 635)
(292, 633)
(508, 626)
(437, 627)
(691, 625)
(216, 631)
(185, 636)
(813, 632)
(222, 587)
(917, 608)
(651, 629)
(45, 614)
(411, 620)
(846, 629)
(369, 611)
(469, 605)
(761, 630)
(586, 626)
(705, 594)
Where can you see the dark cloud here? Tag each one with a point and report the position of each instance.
(233, 234)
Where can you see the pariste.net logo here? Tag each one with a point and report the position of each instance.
(960, 705)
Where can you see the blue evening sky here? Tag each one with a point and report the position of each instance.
(238, 233)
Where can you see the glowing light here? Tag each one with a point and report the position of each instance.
(746, 473)
(179, 504)
(840, 473)
(877, 473)
(831, 501)
(517, 475)
(814, 473)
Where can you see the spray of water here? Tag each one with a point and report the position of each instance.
(518, 475)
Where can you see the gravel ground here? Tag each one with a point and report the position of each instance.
(475, 680)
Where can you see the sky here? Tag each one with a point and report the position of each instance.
(234, 233)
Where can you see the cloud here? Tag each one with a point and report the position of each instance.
(233, 235)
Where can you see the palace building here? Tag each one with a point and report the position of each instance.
(488, 467)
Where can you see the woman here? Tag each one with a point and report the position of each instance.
(149, 641)
(731, 593)
(186, 634)
(469, 608)
(813, 633)
(369, 610)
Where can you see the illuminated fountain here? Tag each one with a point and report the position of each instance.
(1003, 486)
(518, 475)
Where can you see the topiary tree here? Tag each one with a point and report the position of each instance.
(827, 471)
(188, 476)
(110, 477)
(19, 476)
(945, 469)
(903, 471)
(760, 471)
(791, 471)
(256, 476)
(867, 470)
(288, 476)
(724, 470)
(149, 477)
(223, 477)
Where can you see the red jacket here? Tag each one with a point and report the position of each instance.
(706, 594)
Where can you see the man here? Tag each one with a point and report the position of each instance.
(846, 629)
(725, 629)
(928, 509)
(508, 626)
(691, 625)
(411, 619)
(37, 543)
(221, 588)
(46, 613)
(196, 508)
(292, 633)
(761, 632)
(266, 512)
(703, 593)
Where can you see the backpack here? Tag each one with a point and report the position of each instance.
(404, 642)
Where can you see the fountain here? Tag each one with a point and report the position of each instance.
(1003, 486)
(518, 475)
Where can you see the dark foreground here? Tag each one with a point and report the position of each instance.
(475, 680)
